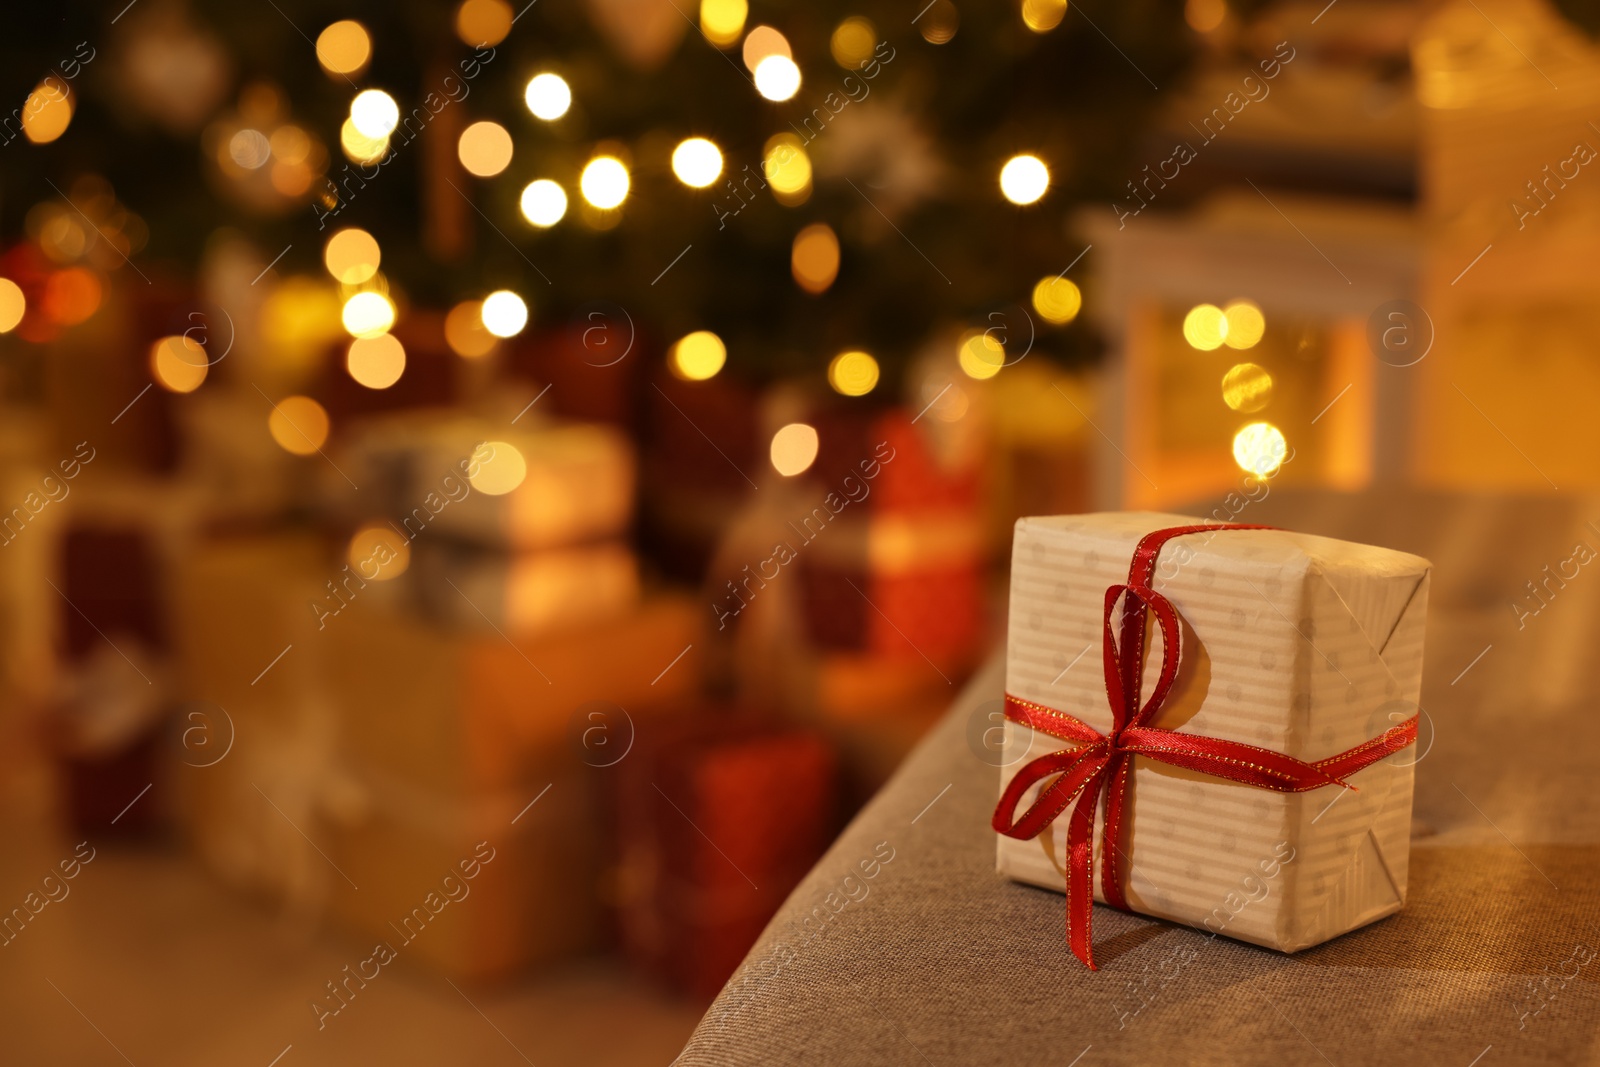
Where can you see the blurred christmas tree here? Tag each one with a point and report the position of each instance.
(847, 193)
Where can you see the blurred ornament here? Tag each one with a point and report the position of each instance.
(883, 146)
(168, 69)
(644, 32)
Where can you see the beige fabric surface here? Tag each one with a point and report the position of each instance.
(933, 958)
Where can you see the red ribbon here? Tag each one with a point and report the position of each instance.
(1098, 770)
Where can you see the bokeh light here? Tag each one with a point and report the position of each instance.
(1246, 387)
(764, 41)
(1042, 16)
(1246, 324)
(367, 314)
(465, 332)
(250, 149)
(939, 22)
(787, 168)
(697, 162)
(344, 47)
(376, 362)
(179, 364)
(980, 355)
(853, 41)
(71, 296)
(1024, 179)
(1057, 300)
(1205, 327)
(484, 149)
(814, 258)
(548, 96)
(722, 21)
(697, 356)
(604, 182)
(544, 202)
(1203, 16)
(374, 113)
(794, 449)
(853, 373)
(358, 147)
(47, 112)
(1260, 448)
(378, 553)
(483, 22)
(504, 313)
(352, 256)
(502, 472)
(299, 425)
(13, 305)
(777, 78)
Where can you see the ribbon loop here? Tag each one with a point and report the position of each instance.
(1096, 774)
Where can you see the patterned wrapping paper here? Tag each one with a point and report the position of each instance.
(1301, 644)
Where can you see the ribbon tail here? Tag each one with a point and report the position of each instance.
(1080, 875)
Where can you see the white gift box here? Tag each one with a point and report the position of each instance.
(1300, 644)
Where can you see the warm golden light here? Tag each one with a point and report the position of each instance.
(604, 182)
(250, 149)
(1246, 324)
(544, 202)
(788, 168)
(938, 24)
(1057, 300)
(352, 256)
(504, 313)
(12, 305)
(777, 78)
(483, 22)
(548, 96)
(980, 355)
(794, 449)
(179, 364)
(374, 113)
(764, 41)
(697, 162)
(299, 425)
(1042, 16)
(376, 362)
(697, 356)
(502, 472)
(853, 373)
(814, 259)
(1205, 327)
(1260, 449)
(367, 315)
(465, 333)
(1024, 179)
(722, 21)
(484, 149)
(378, 553)
(1246, 387)
(47, 112)
(344, 47)
(71, 295)
(1203, 16)
(853, 41)
(358, 147)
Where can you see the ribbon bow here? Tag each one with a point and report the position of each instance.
(1096, 773)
